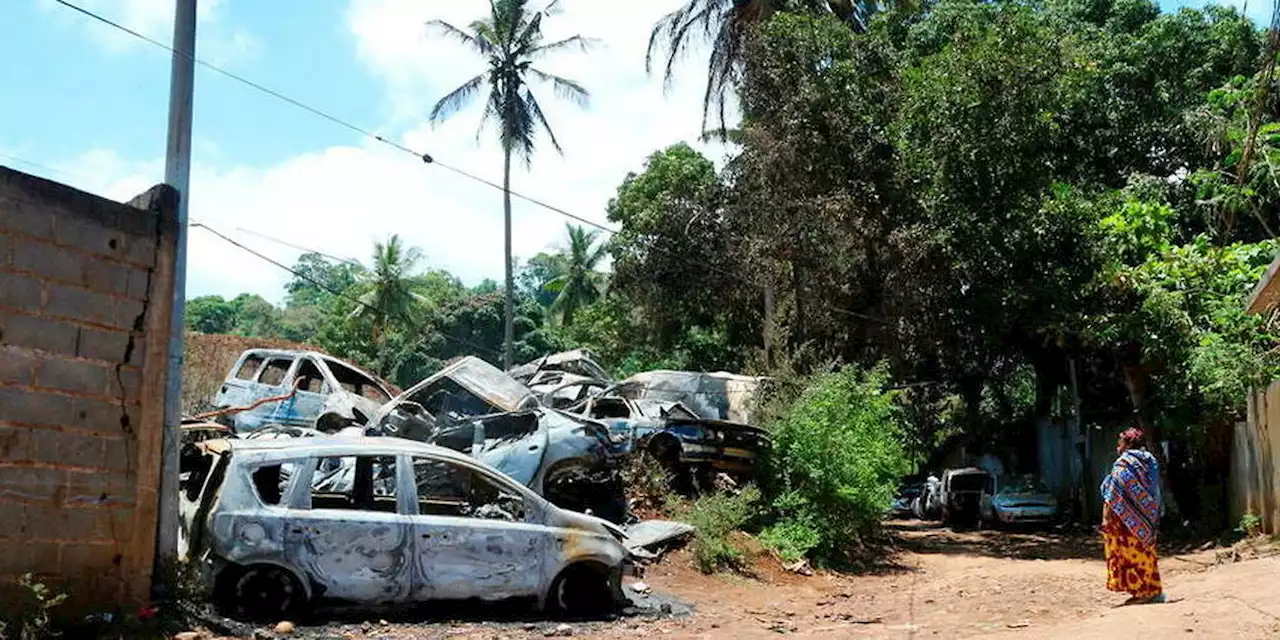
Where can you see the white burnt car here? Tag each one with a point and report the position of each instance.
(276, 524)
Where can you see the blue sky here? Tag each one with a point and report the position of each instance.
(87, 105)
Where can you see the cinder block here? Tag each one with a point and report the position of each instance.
(107, 277)
(121, 454)
(17, 366)
(81, 233)
(25, 217)
(21, 292)
(6, 247)
(80, 376)
(128, 314)
(102, 488)
(139, 284)
(100, 559)
(82, 524)
(80, 304)
(142, 250)
(13, 520)
(102, 344)
(36, 557)
(33, 484)
(68, 448)
(103, 416)
(48, 261)
(129, 385)
(15, 445)
(24, 406)
(45, 334)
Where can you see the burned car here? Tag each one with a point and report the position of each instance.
(964, 495)
(297, 389)
(473, 407)
(691, 448)
(271, 533)
(578, 362)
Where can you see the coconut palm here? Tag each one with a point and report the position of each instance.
(388, 286)
(577, 284)
(726, 24)
(510, 40)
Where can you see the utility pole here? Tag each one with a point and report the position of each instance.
(177, 174)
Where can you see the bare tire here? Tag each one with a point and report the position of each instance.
(581, 590)
(261, 593)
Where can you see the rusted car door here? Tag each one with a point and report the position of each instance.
(471, 536)
(352, 538)
(237, 389)
(268, 382)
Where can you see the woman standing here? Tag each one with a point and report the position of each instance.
(1131, 513)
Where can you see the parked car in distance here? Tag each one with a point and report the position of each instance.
(298, 389)
(964, 492)
(272, 531)
(903, 502)
(1022, 499)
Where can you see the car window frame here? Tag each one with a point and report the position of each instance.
(532, 508)
(288, 372)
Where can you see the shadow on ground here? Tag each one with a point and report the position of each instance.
(1018, 544)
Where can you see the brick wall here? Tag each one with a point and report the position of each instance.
(85, 298)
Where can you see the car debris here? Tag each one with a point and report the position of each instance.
(692, 448)
(473, 407)
(271, 534)
(646, 539)
(965, 492)
(577, 362)
(714, 396)
(296, 389)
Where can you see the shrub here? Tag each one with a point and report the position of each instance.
(1250, 525)
(715, 516)
(836, 461)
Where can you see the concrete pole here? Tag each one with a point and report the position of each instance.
(177, 174)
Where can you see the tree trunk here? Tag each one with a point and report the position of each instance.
(1135, 381)
(508, 330)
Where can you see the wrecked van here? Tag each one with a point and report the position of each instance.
(473, 407)
(296, 389)
(272, 533)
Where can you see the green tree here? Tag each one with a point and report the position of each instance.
(255, 317)
(510, 40)
(387, 299)
(210, 314)
(316, 279)
(576, 282)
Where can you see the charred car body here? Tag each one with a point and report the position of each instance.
(691, 447)
(965, 494)
(272, 532)
(297, 389)
(472, 407)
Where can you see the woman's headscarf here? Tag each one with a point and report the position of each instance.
(1133, 438)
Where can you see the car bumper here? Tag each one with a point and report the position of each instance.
(1026, 514)
(723, 458)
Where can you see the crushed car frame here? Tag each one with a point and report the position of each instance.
(272, 533)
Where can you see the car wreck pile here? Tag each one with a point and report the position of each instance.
(312, 481)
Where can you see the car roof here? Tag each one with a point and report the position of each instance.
(336, 446)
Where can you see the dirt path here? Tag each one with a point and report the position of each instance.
(979, 584)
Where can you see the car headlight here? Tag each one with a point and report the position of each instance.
(719, 435)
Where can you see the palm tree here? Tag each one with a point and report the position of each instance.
(726, 24)
(577, 284)
(510, 39)
(389, 295)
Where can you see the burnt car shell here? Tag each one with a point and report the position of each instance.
(235, 525)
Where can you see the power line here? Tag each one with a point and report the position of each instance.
(298, 247)
(37, 165)
(340, 294)
(425, 157)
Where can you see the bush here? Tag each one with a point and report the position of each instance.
(836, 462)
(715, 516)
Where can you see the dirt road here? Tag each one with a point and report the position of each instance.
(979, 584)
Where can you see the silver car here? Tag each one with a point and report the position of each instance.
(273, 531)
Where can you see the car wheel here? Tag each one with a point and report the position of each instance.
(261, 593)
(581, 590)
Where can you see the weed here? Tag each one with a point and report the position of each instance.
(648, 484)
(715, 516)
(28, 612)
(1250, 525)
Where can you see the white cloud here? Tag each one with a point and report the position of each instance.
(216, 41)
(340, 199)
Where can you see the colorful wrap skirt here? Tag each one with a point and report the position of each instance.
(1131, 563)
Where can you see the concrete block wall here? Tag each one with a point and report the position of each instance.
(85, 298)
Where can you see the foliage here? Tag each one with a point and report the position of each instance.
(28, 610)
(836, 461)
(574, 278)
(714, 517)
(1250, 525)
